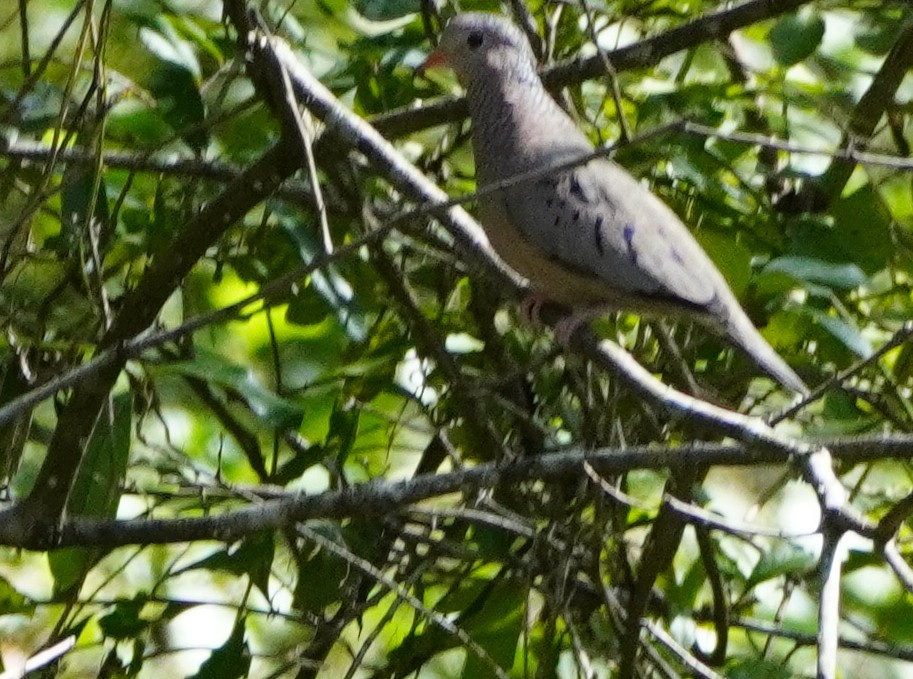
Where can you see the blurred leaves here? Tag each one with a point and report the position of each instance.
(253, 556)
(97, 490)
(267, 405)
(359, 373)
(838, 276)
(231, 660)
(174, 82)
(783, 559)
(386, 10)
(796, 36)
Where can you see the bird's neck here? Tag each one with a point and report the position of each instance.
(517, 126)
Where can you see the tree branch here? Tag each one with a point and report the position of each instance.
(139, 308)
(379, 497)
(877, 99)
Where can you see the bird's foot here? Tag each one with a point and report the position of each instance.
(531, 307)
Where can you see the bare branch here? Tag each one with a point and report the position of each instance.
(379, 497)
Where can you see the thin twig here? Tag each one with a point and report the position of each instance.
(401, 593)
(829, 570)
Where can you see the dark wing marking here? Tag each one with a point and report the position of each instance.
(600, 222)
(597, 234)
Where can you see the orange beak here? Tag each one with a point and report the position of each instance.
(435, 58)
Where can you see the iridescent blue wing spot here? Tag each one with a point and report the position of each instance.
(629, 241)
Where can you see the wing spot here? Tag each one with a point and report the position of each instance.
(597, 233)
(576, 215)
(629, 241)
(576, 189)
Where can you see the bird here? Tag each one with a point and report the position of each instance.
(590, 237)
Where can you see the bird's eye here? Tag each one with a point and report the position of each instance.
(474, 39)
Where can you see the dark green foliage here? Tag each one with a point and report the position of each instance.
(351, 359)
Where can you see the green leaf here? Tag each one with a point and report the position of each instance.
(308, 308)
(125, 621)
(844, 276)
(496, 627)
(731, 258)
(32, 279)
(856, 560)
(231, 660)
(796, 36)
(253, 557)
(15, 433)
(81, 203)
(878, 35)
(343, 430)
(300, 463)
(848, 334)
(862, 226)
(491, 542)
(491, 611)
(386, 10)
(684, 595)
(12, 602)
(138, 123)
(182, 105)
(168, 214)
(328, 292)
(782, 559)
(165, 44)
(97, 489)
(320, 573)
(175, 83)
(265, 404)
(755, 668)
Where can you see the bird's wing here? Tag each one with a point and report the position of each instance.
(600, 222)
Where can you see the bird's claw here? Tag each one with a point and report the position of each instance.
(531, 307)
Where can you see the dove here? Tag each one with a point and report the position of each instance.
(592, 237)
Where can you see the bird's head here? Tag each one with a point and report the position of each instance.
(482, 46)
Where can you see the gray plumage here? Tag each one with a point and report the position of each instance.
(590, 237)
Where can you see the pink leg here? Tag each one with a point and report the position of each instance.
(531, 306)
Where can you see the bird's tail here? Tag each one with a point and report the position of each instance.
(742, 330)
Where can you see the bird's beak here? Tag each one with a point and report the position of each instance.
(435, 58)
